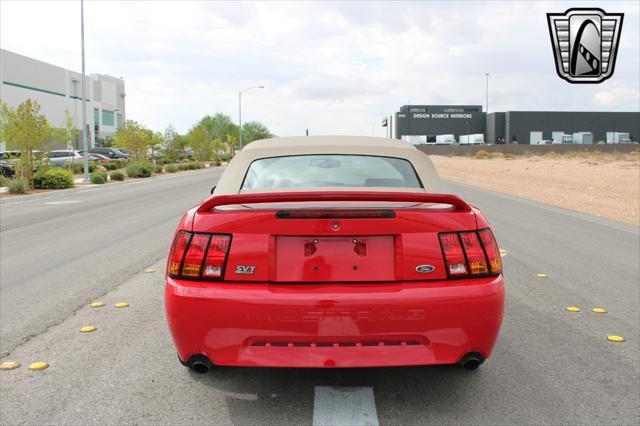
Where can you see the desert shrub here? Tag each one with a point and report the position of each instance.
(158, 169)
(117, 176)
(100, 168)
(4, 181)
(140, 170)
(98, 178)
(53, 178)
(18, 186)
(78, 167)
(170, 168)
(483, 155)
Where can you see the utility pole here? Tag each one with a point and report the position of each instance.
(83, 100)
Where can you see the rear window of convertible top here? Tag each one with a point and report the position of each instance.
(330, 170)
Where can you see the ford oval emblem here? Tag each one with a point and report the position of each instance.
(425, 269)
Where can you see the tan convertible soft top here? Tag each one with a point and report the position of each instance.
(232, 178)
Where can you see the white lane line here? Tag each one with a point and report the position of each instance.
(344, 406)
(57, 203)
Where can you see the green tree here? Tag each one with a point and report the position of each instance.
(201, 142)
(66, 134)
(253, 131)
(171, 143)
(25, 130)
(135, 138)
(218, 126)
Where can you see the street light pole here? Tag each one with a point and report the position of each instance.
(486, 113)
(240, 92)
(487, 95)
(83, 100)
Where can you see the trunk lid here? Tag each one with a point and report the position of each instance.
(364, 239)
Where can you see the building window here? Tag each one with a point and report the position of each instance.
(96, 116)
(119, 120)
(107, 118)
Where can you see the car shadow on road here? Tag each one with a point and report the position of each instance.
(286, 396)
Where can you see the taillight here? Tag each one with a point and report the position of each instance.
(453, 254)
(470, 254)
(475, 254)
(216, 256)
(492, 250)
(177, 252)
(198, 255)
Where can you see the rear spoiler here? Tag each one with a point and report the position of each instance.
(280, 197)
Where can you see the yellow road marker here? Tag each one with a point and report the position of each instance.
(10, 365)
(503, 252)
(573, 309)
(599, 310)
(36, 366)
(88, 329)
(148, 270)
(97, 304)
(541, 275)
(615, 338)
(121, 305)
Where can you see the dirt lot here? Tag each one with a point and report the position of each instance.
(605, 185)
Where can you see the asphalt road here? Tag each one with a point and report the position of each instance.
(549, 366)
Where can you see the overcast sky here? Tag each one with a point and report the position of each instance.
(334, 68)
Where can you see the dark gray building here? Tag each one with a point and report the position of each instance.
(425, 122)
(422, 123)
(519, 125)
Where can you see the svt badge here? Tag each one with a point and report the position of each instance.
(245, 270)
(585, 43)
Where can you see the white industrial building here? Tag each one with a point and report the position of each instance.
(57, 89)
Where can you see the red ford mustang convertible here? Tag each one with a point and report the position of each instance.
(333, 252)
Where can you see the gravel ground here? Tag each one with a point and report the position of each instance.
(602, 185)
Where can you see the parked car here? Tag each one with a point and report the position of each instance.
(97, 158)
(112, 153)
(62, 157)
(333, 252)
(6, 169)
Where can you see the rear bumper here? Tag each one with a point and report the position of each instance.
(335, 325)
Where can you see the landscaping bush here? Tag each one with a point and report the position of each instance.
(140, 170)
(158, 169)
(4, 181)
(100, 168)
(111, 166)
(98, 178)
(18, 186)
(54, 178)
(78, 168)
(117, 176)
(170, 168)
(119, 163)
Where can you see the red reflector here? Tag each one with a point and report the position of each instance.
(177, 252)
(493, 253)
(216, 256)
(453, 254)
(475, 254)
(195, 255)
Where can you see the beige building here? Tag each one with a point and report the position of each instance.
(57, 89)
